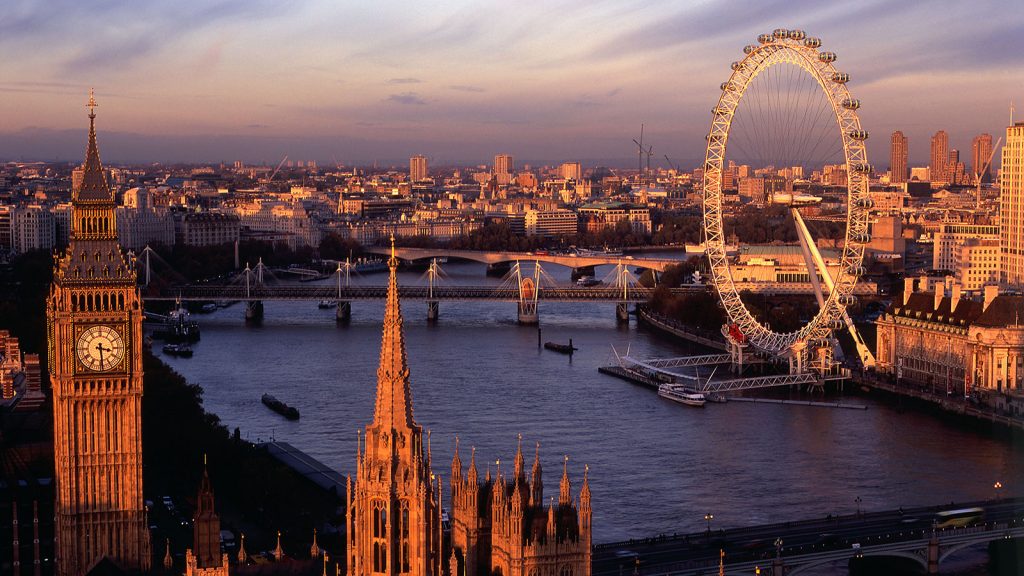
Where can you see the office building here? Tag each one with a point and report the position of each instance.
(418, 168)
(898, 159)
(1011, 207)
(937, 167)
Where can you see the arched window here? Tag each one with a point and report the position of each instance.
(404, 549)
(566, 571)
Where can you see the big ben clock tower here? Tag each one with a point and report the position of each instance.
(94, 318)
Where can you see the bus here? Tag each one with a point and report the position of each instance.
(959, 518)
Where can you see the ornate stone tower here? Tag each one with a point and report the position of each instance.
(94, 322)
(205, 557)
(393, 509)
(503, 527)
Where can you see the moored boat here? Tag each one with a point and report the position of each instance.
(563, 348)
(281, 408)
(182, 350)
(678, 394)
(327, 304)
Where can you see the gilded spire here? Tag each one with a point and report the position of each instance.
(537, 493)
(278, 551)
(243, 556)
(520, 468)
(394, 401)
(94, 186)
(314, 550)
(564, 492)
(168, 559)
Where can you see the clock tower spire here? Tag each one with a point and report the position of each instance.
(94, 324)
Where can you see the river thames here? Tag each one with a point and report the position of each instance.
(655, 466)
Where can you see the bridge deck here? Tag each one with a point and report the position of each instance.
(449, 293)
(887, 533)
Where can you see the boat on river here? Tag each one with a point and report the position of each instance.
(563, 348)
(678, 394)
(289, 412)
(181, 350)
(327, 304)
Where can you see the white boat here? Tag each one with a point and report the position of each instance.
(327, 304)
(676, 393)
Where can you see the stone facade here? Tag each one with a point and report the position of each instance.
(937, 338)
(503, 525)
(94, 321)
(393, 505)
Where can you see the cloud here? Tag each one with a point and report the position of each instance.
(466, 88)
(404, 81)
(407, 98)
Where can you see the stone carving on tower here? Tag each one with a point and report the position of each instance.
(393, 509)
(94, 333)
(205, 557)
(504, 527)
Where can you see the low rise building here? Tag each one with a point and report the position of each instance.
(208, 229)
(601, 215)
(558, 222)
(935, 337)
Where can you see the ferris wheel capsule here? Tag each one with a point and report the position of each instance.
(847, 299)
(851, 104)
(812, 42)
(780, 33)
(736, 65)
(859, 135)
(836, 324)
(797, 35)
(827, 57)
(863, 168)
(749, 48)
(856, 270)
(861, 238)
(726, 86)
(764, 38)
(864, 202)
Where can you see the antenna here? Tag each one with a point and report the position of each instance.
(1011, 112)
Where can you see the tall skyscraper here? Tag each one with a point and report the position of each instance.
(94, 321)
(418, 168)
(981, 149)
(503, 164)
(939, 157)
(394, 507)
(898, 159)
(1011, 207)
(954, 168)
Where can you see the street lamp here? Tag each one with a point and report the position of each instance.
(858, 501)
(997, 486)
(708, 518)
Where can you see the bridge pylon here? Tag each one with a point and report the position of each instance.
(343, 311)
(253, 281)
(433, 306)
(529, 290)
(624, 280)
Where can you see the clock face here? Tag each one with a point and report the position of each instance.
(100, 348)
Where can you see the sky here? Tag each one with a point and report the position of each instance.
(356, 82)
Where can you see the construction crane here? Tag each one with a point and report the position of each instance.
(671, 164)
(640, 151)
(274, 173)
(984, 170)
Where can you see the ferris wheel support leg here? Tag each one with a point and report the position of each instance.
(806, 243)
(866, 357)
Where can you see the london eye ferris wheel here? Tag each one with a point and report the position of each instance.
(786, 105)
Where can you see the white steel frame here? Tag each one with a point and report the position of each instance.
(788, 47)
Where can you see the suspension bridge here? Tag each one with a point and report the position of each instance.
(528, 288)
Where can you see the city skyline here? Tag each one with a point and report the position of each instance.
(460, 82)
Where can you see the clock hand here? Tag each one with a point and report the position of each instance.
(99, 346)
